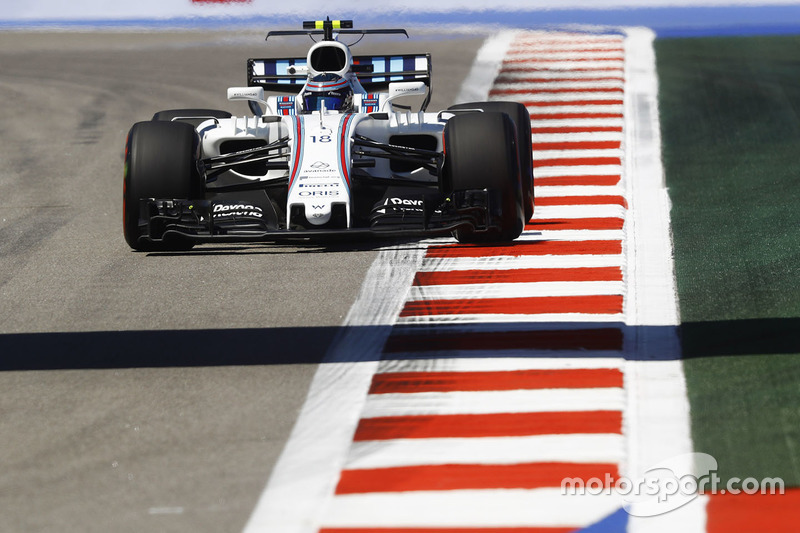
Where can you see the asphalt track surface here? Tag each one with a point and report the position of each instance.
(148, 392)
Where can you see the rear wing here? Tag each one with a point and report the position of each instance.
(373, 72)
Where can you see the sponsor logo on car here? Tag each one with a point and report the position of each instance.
(237, 210)
(316, 193)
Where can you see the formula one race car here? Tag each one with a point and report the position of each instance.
(340, 152)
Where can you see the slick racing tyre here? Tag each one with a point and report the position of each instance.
(160, 162)
(522, 121)
(198, 115)
(481, 153)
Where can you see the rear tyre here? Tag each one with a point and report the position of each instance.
(198, 115)
(481, 153)
(160, 162)
(522, 121)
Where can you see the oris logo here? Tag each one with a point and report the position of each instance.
(318, 193)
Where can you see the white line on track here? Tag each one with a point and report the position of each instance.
(570, 235)
(470, 508)
(511, 263)
(532, 90)
(575, 448)
(485, 402)
(511, 317)
(525, 74)
(500, 364)
(579, 211)
(578, 190)
(571, 123)
(657, 420)
(542, 155)
(589, 136)
(515, 290)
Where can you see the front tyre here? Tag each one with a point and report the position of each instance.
(160, 162)
(481, 153)
(522, 120)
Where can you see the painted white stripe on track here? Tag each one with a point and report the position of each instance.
(535, 63)
(578, 190)
(533, 89)
(574, 122)
(574, 448)
(568, 155)
(657, 421)
(570, 235)
(560, 74)
(504, 364)
(565, 47)
(501, 318)
(579, 211)
(591, 136)
(492, 402)
(584, 54)
(513, 263)
(554, 39)
(470, 508)
(515, 290)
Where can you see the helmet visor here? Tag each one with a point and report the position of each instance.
(313, 102)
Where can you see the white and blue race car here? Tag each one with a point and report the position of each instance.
(339, 152)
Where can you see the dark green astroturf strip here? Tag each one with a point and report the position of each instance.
(730, 119)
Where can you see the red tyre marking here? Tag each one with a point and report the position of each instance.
(609, 223)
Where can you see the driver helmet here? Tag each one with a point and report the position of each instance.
(333, 90)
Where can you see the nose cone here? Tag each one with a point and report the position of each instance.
(318, 213)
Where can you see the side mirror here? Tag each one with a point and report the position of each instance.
(248, 94)
(404, 88)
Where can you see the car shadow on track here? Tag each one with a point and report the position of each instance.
(303, 247)
(313, 345)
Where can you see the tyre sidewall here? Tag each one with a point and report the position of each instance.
(522, 121)
(160, 162)
(481, 152)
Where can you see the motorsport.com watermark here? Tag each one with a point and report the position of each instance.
(670, 484)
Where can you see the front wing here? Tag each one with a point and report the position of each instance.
(175, 220)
